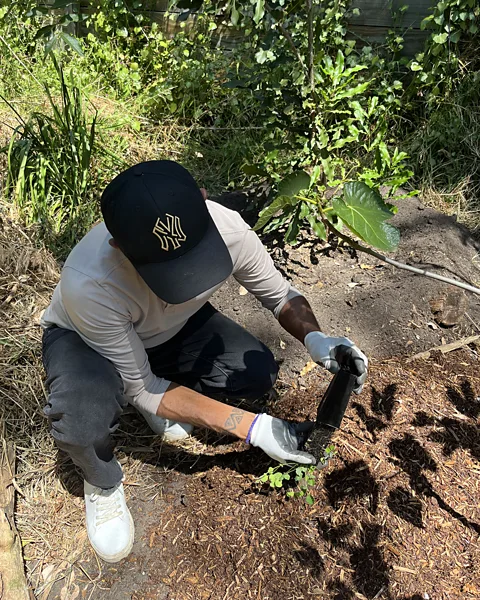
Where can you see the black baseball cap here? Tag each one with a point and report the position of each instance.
(158, 217)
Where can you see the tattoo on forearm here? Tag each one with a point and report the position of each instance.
(234, 419)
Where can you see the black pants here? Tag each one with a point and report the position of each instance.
(211, 354)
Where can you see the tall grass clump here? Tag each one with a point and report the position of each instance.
(445, 153)
(50, 158)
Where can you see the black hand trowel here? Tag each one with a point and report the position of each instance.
(332, 407)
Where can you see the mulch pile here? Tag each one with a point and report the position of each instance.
(396, 513)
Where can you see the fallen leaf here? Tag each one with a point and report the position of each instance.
(308, 367)
(367, 267)
(47, 571)
(473, 589)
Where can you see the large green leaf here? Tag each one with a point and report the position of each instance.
(272, 209)
(44, 32)
(354, 91)
(294, 226)
(365, 213)
(72, 42)
(259, 11)
(294, 183)
(235, 16)
(317, 226)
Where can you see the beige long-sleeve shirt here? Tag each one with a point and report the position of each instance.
(102, 297)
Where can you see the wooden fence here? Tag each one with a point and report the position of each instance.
(376, 18)
(371, 25)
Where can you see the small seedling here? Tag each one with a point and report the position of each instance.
(303, 475)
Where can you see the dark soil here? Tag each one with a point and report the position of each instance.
(385, 310)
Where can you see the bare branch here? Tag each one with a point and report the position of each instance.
(288, 37)
(351, 242)
(311, 75)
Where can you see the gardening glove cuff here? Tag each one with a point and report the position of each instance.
(330, 352)
(281, 440)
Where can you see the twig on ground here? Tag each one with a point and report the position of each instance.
(351, 242)
(472, 321)
(445, 348)
(380, 592)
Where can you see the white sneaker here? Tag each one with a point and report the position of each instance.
(170, 431)
(110, 525)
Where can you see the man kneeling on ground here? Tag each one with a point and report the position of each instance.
(130, 322)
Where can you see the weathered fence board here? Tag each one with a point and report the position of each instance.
(414, 39)
(13, 584)
(381, 13)
(371, 26)
(378, 17)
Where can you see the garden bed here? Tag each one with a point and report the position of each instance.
(396, 514)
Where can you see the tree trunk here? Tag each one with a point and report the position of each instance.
(13, 584)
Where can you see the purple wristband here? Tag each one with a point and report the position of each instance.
(249, 434)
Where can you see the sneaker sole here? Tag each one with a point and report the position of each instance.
(174, 438)
(114, 558)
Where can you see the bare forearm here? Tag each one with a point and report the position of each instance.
(297, 318)
(187, 406)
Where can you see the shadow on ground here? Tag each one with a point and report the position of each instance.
(357, 515)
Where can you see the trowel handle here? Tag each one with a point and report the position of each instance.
(335, 401)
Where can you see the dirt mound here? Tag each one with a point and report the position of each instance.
(383, 309)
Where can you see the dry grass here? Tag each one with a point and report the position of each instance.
(27, 278)
(28, 275)
(445, 153)
(456, 203)
(50, 512)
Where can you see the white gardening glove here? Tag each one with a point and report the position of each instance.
(330, 352)
(280, 440)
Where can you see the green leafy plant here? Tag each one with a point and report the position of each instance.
(50, 156)
(327, 108)
(445, 151)
(56, 23)
(451, 46)
(355, 205)
(178, 75)
(303, 477)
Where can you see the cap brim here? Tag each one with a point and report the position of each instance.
(202, 268)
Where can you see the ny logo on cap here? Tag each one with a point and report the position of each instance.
(171, 232)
